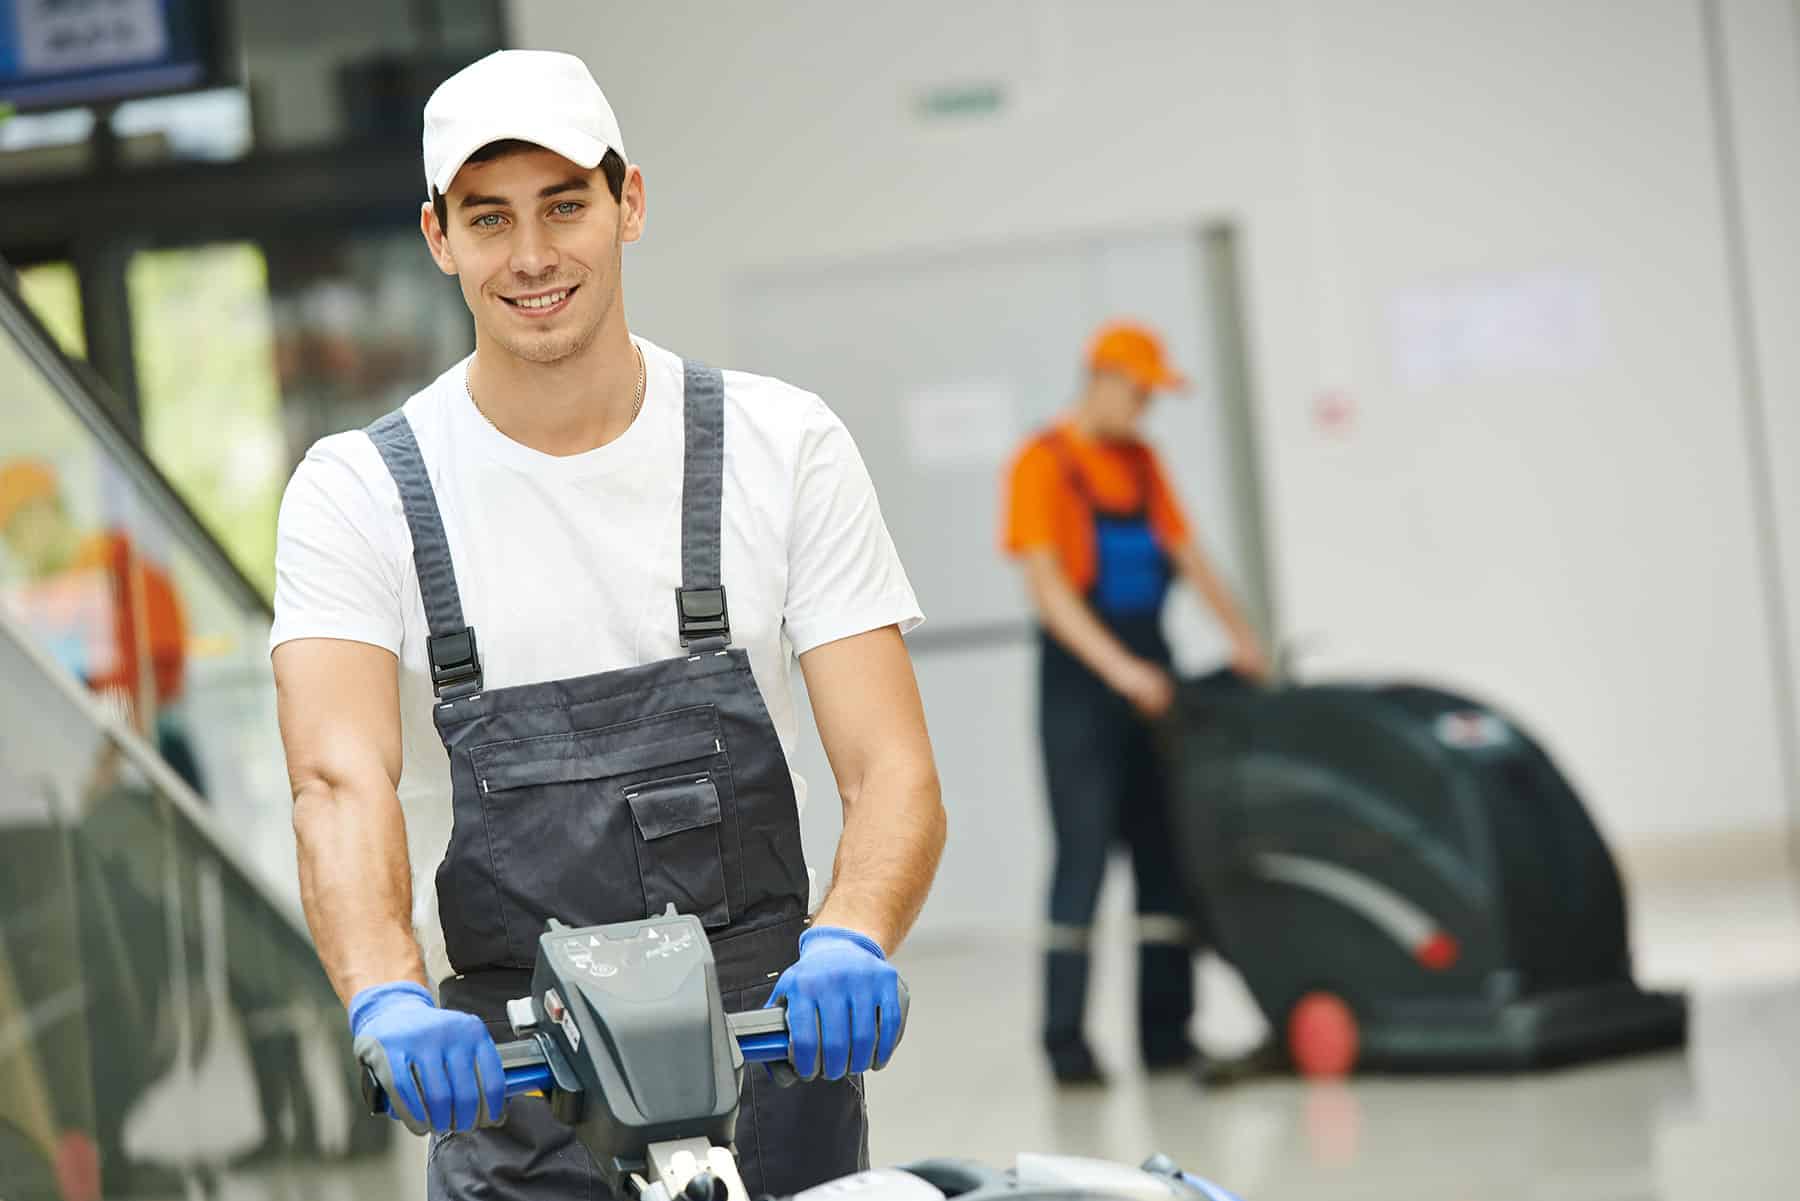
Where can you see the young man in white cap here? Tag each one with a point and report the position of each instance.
(532, 633)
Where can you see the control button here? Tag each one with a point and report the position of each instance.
(519, 1013)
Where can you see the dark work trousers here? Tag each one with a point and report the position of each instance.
(1107, 785)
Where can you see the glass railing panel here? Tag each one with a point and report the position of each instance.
(107, 571)
(165, 1029)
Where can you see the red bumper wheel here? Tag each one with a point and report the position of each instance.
(78, 1167)
(1322, 1035)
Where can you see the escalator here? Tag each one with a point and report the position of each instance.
(165, 1029)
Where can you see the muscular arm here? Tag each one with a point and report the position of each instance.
(339, 706)
(866, 704)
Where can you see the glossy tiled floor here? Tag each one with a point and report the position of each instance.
(1720, 1122)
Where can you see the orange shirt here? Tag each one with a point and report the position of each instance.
(1044, 507)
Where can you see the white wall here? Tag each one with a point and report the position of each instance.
(1760, 49)
(1573, 538)
(1578, 543)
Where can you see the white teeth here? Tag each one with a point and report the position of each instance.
(542, 302)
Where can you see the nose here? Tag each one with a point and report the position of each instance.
(533, 253)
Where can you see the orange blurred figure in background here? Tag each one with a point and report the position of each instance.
(105, 611)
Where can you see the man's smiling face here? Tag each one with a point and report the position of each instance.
(534, 241)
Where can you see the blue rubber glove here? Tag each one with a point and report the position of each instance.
(440, 1067)
(843, 1003)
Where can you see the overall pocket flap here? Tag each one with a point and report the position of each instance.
(664, 807)
(618, 750)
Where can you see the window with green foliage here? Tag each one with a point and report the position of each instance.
(203, 342)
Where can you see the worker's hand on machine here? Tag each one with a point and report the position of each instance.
(440, 1067)
(843, 1005)
(1148, 686)
(1248, 660)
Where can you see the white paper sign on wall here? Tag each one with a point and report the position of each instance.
(88, 35)
(972, 424)
(1490, 326)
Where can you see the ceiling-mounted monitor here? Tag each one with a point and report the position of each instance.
(62, 53)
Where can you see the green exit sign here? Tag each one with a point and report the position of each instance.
(961, 101)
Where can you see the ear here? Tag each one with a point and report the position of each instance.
(631, 206)
(435, 239)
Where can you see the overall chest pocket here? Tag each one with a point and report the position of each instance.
(609, 824)
(679, 859)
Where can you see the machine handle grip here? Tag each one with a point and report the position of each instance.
(762, 1036)
(771, 1046)
(527, 1071)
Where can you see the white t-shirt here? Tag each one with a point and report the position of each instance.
(568, 565)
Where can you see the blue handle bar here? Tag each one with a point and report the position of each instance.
(531, 1078)
(528, 1073)
(525, 1078)
(764, 1048)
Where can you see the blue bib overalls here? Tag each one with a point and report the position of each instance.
(1107, 785)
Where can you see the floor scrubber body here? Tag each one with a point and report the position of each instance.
(626, 1036)
(1405, 880)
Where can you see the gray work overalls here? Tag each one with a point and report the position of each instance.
(603, 799)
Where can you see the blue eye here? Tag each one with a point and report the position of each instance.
(568, 207)
(486, 221)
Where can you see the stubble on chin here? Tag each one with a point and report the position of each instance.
(549, 347)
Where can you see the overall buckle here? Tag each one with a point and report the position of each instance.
(701, 613)
(455, 664)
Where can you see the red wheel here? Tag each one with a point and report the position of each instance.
(1322, 1035)
(77, 1167)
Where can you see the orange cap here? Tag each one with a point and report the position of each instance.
(1136, 352)
(21, 482)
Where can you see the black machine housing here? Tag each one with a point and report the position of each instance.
(1419, 857)
(637, 1038)
(626, 1036)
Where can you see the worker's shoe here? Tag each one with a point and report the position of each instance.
(1074, 1066)
(1173, 1054)
(1267, 1058)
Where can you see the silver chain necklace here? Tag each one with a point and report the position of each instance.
(637, 403)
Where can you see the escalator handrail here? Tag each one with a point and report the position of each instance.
(79, 391)
(171, 787)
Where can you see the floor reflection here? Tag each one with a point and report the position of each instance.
(1716, 1120)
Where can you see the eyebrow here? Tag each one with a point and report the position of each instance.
(575, 183)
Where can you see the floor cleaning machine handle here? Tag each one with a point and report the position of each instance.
(525, 1062)
(762, 1037)
(762, 1034)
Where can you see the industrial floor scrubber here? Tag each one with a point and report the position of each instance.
(1405, 881)
(626, 1035)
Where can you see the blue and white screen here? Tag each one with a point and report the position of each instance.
(67, 52)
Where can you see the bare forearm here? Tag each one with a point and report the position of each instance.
(1073, 624)
(356, 886)
(1225, 606)
(1200, 576)
(894, 830)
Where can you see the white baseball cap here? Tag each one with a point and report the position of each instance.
(539, 96)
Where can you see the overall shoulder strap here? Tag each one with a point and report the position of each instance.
(455, 662)
(1057, 443)
(702, 617)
